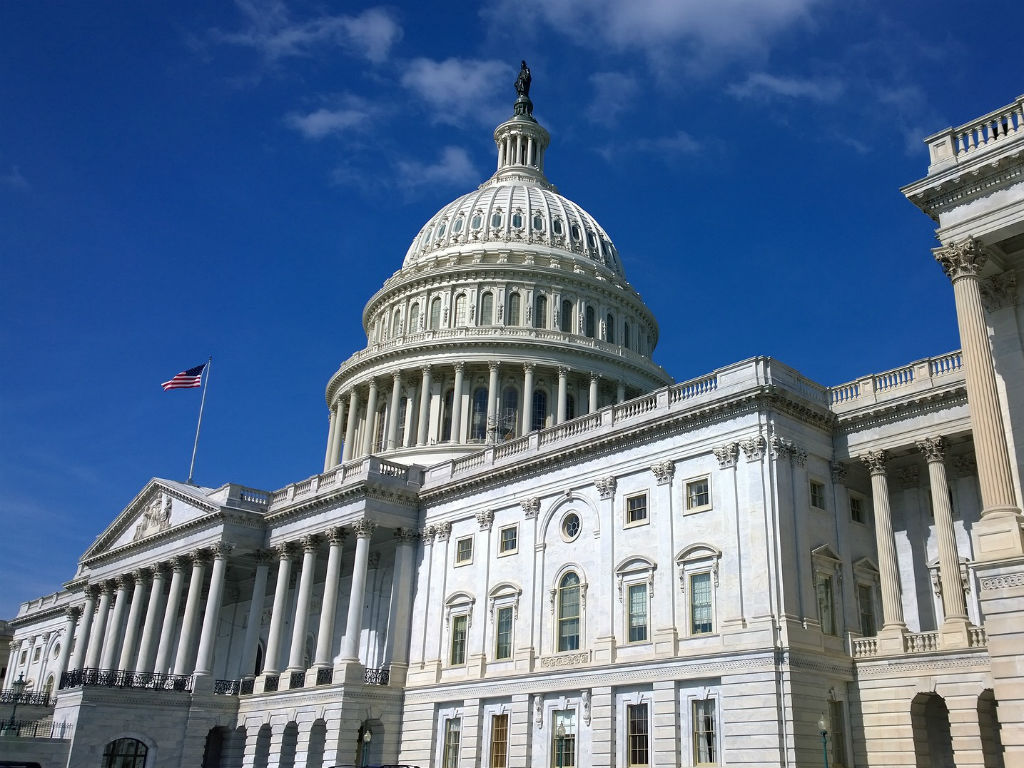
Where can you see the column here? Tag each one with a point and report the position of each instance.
(147, 645)
(252, 627)
(527, 399)
(92, 659)
(271, 663)
(460, 369)
(70, 620)
(183, 659)
(298, 646)
(353, 625)
(892, 604)
(954, 605)
(332, 432)
(620, 392)
(562, 394)
(398, 632)
(393, 414)
(350, 426)
(411, 407)
(329, 606)
(163, 653)
(83, 632)
(110, 645)
(131, 630)
(492, 399)
(423, 425)
(371, 415)
(593, 392)
(336, 442)
(211, 618)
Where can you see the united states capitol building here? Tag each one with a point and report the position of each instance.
(530, 546)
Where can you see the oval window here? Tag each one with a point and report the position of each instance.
(476, 222)
(496, 220)
(538, 223)
(591, 240)
(556, 226)
(517, 220)
(575, 233)
(457, 226)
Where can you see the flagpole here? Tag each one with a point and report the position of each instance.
(202, 402)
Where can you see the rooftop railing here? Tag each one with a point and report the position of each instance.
(123, 678)
(39, 729)
(358, 469)
(30, 698)
(922, 374)
(994, 129)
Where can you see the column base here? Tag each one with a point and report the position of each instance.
(399, 674)
(349, 672)
(998, 535)
(953, 634)
(890, 640)
(202, 682)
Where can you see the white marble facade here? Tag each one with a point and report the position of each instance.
(529, 548)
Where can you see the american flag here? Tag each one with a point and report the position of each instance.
(193, 377)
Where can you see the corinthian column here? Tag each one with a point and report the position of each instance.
(131, 630)
(423, 423)
(329, 606)
(962, 262)
(353, 625)
(163, 653)
(110, 646)
(492, 402)
(371, 415)
(332, 433)
(954, 607)
(70, 620)
(885, 543)
(460, 371)
(405, 575)
(82, 643)
(350, 425)
(594, 378)
(208, 634)
(563, 395)
(99, 630)
(147, 646)
(393, 410)
(252, 627)
(527, 426)
(272, 662)
(298, 646)
(183, 659)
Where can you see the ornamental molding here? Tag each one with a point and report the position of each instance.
(753, 447)
(961, 259)
(566, 660)
(605, 486)
(937, 662)
(727, 455)
(983, 181)
(933, 448)
(664, 471)
(1003, 581)
(485, 519)
(999, 291)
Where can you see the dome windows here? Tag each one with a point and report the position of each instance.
(557, 227)
(574, 230)
(514, 311)
(538, 222)
(496, 219)
(441, 230)
(517, 220)
(477, 221)
(487, 309)
(591, 241)
(457, 226)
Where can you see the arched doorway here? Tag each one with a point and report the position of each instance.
(988, 724)
(125, 753)
(261, 756)
(933, 744)
(289, 741)
(369, 738)
(317, 743)
(214, 748)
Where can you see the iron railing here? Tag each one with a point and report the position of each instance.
(39, 729)
(324, 676)
(34, 698)
(123, 678)
(297, 680)
(270, 683)
(380, 676)
(226, 687)
(247, 687)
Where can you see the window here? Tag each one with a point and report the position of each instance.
(570, 526)
(826, 608)
(563, 739)
(569, 613)
(414, 318)
(435, 313)
(591, 240)
(636, 509)
(496, 219)
(446, 416)
(508, 540)
(637, 613)
(517, 220)
(441, 231)
(503, 633)
(609, 328)
(396, 323)
(478, 417)
(636, 734)
(565, 321)
(457, 226)
(36, 654)
(538, 222)
(499, 741)
(575, 232)
(705, 751)
(540, 311)
(452, 732)
(540, 410)
(509, 414)
(589, 326)
(514, 310)
(837, 723)
(857, 509)
(460, 624)
(464, 551)
(557, 228)
(698, 494)
(24, 657)
(460, 310)
(866, 606)
(817, 494)
(476, 221)
(125, 753)
(487, 309)
(701, 616)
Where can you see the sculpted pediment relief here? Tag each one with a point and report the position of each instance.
(155, 518)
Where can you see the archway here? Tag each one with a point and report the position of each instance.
(988, 724)
(261, 756)
(933, 744)
(317, 743)
(369, 739)
(125, 753)
(289, 741)
(214, 747)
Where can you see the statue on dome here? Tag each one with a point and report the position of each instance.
(523, 81)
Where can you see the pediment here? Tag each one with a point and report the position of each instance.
(160, 506)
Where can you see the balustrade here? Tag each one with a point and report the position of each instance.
(271, 682)
(296, 680)
(324, 676)
(381, 676)
(38, 729)
(123, 678)
(227, 687)
(31, 698)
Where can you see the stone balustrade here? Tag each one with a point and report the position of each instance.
(362, 469)
(917, 376)
(997, 128)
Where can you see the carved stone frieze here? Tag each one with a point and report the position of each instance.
(567, 660)
(155, 518)
(963, 259)
(1004, 581)
(727, 454)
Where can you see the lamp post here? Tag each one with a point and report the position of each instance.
(367, 738)
(823, 730)
(18, 686)
(560, 743)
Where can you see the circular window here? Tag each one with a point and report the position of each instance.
(570, 526)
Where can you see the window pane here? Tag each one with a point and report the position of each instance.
(563, 738)
(452, 733)
(569, 613)
(837, 722)
(700, 604)
(459, 639)
(509, 538)
(637, 613)
(499, 741)
(487, 309)
(503, 648)
(823, 587)
(697, 494)
(636, 508)
(513, 309)
(637, 734)
(865, 598)
(704, 752)
(566, 318)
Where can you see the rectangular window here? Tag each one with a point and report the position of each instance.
(499, 741)
(638, 613)
(857, 509)
(452, 732)
(826, 608)
(817, 494)
(636, 723)
(838, 735)
(697, 494)
(509, 540)
(24, 657)
(464, 551)
(563, 739)
(36, 654)
(503, 636)
(704, 747)
(700, 604)
(636, 509)
(459, 625)
(866, 603)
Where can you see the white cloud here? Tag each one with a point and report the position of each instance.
(13, 178)
(453, 168)
(761, 85)
(457, 90)
(271, 30)
(674, 145)
(614, 93)
(352, 114)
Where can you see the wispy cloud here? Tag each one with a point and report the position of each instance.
(271, 30)
(762, 85)
(14, 178)
(614, 93)
(457, 90)
(453, 168)
(353, 113)
(671, 146)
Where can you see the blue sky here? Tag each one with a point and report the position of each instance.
(187, 179)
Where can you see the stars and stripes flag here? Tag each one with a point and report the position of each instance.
(193, 377)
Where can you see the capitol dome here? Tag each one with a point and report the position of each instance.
(511, 314)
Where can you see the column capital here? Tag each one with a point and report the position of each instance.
(595, 376)
(529, 367)
(336, 534)
(753, 447)
(406, 535)
(459, 366)
(363, 528)
(284, 551)
(563, 371)
(492, 366)
(263, 556)
(875, 461)
(962, 259)
(605, 486)
(839, 472)
(200, 557)
(221, 549)
(178, 563)
(91, 591)
(932, 448)
(727, 455)
(443, 530)
(141, 576)
(310, 543)
(396, 377)
(73, 612)
(121, 581)
(531, 507)
(664, 471)
(485, 519)
(427, 534)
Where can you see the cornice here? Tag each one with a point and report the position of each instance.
(900, 408)
(359, 491)
(965, 181)
(935, 662)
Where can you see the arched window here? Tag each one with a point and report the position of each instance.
(540, 410)
(625, 335)
(478, 418)
(509, 413)
(435, 313)
(538, 222)
(565, 321)
(514, 310)
(396, 323)
(446, 416)
(540, 311)
(48, 688)
(125, 753)
(569, 612)
(487, 309)
(460, 310)
(414, 318)
(403, 406)
(570, 407)
(589, 327)
(609, 328)
(380, 430)
(258, 669)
